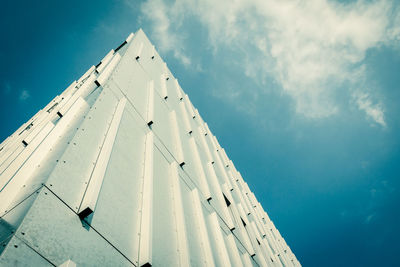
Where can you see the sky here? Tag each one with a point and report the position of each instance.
(303, 95)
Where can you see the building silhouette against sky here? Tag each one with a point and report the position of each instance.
(121, 170)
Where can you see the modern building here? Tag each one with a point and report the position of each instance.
(121, 170)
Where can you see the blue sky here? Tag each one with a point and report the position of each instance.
(303, 95)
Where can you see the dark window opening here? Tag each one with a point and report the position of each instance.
(52, 107)
(120, 46)
(26, 128)
(228, 203)
(24, 142)
(86, 212)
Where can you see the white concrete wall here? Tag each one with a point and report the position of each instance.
(121, 170)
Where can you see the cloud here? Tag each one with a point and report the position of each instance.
(24, 95)
(168, 40)
(393, 31)
(311, 49)
(373, 111)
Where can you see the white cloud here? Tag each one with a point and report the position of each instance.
(168, 40)
(24, 95)
(310, 48)
(373, 111)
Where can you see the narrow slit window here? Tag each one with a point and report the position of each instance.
(52, 107)
(228, 203)
(244, 224)
(120, 46)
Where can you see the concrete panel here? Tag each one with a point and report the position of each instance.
(162, 123)
(164, 227)
(133, 81)
(70, 177)
(20, 254)
(120, 195)
(197, 250)
(57, 233)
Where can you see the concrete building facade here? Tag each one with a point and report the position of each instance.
(121, 170)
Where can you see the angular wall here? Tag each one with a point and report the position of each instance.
(121, 170)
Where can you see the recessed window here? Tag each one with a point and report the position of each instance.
(244, 224)
(52, 107)
(228, 203)
(120, 46)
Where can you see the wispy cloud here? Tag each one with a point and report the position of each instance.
(373, 111)
(168, 40)
(24, 95)
(311, 48)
